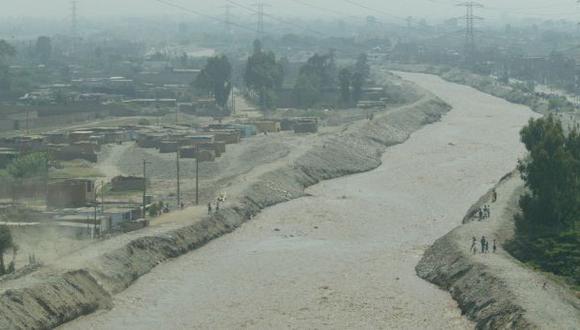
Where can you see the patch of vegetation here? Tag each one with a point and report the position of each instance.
(28, 166)
(76, 170)
(548, 230)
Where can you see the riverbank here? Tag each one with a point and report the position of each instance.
(83, 283)
(494, 289)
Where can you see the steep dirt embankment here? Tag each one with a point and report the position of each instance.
(59, 296)
(493, 289)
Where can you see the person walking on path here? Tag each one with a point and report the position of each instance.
(494, 246)
(473, 245)
(209, 208)
(482, 241)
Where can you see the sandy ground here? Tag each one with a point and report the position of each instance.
(344, 257)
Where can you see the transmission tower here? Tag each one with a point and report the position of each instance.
(228, 18)
(260, 15)
(470, 19)
(74, 19)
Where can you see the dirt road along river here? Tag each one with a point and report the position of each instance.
(344, 257)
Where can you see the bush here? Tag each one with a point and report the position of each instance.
(558, 254)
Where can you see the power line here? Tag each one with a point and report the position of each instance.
(261, 14)
(326, 10)
(376, 10)
(228, 18)
(198, 13)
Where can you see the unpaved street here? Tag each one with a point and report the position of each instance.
(344, 257)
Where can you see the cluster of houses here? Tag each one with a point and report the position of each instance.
(74, 202)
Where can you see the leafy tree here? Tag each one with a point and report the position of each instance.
(43, 49)
(344, 79)
(362, 66)
(317, 75)
(6, 243)
(551, 173)
(263, 74)
(358, 82)
(6, 50)
(28, 165)
(215, 78)
(307, 89)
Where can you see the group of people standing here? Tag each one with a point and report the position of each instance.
(219, 200)
(484, 212)
(484, 245)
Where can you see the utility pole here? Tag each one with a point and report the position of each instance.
(197, 179)
(103, 197)
(74, 22)
(178, 177)
(27, 122)
(177, 115)
(145, 163)
(470, 19)
(96, 204)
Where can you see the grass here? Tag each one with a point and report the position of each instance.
(76, 170)
(556, 254)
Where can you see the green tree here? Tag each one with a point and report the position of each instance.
(344, 80)
(215, 78)
(362, 66)
(551, 173)
(6, 51)
(28, 166)
(6, 243)
(358, 82)
(307, 89)
(263, 75)
(43, 49)
(316, 76)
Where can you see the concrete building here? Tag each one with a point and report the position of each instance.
(71, 193)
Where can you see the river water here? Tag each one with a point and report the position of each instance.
(343, 258)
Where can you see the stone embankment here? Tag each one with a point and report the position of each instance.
(55, 296)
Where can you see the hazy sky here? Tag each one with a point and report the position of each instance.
(550, 9)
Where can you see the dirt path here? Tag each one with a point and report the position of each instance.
(345, 257)
(548, 307)
(108, 165)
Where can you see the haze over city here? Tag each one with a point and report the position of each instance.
(436, 9)
(277, 164)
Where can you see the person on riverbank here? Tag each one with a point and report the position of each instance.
(473, 248)
(483, 241)
(494, 246)
(494, 196)
(209, 208)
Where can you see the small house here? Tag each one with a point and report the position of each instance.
(71, 193)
